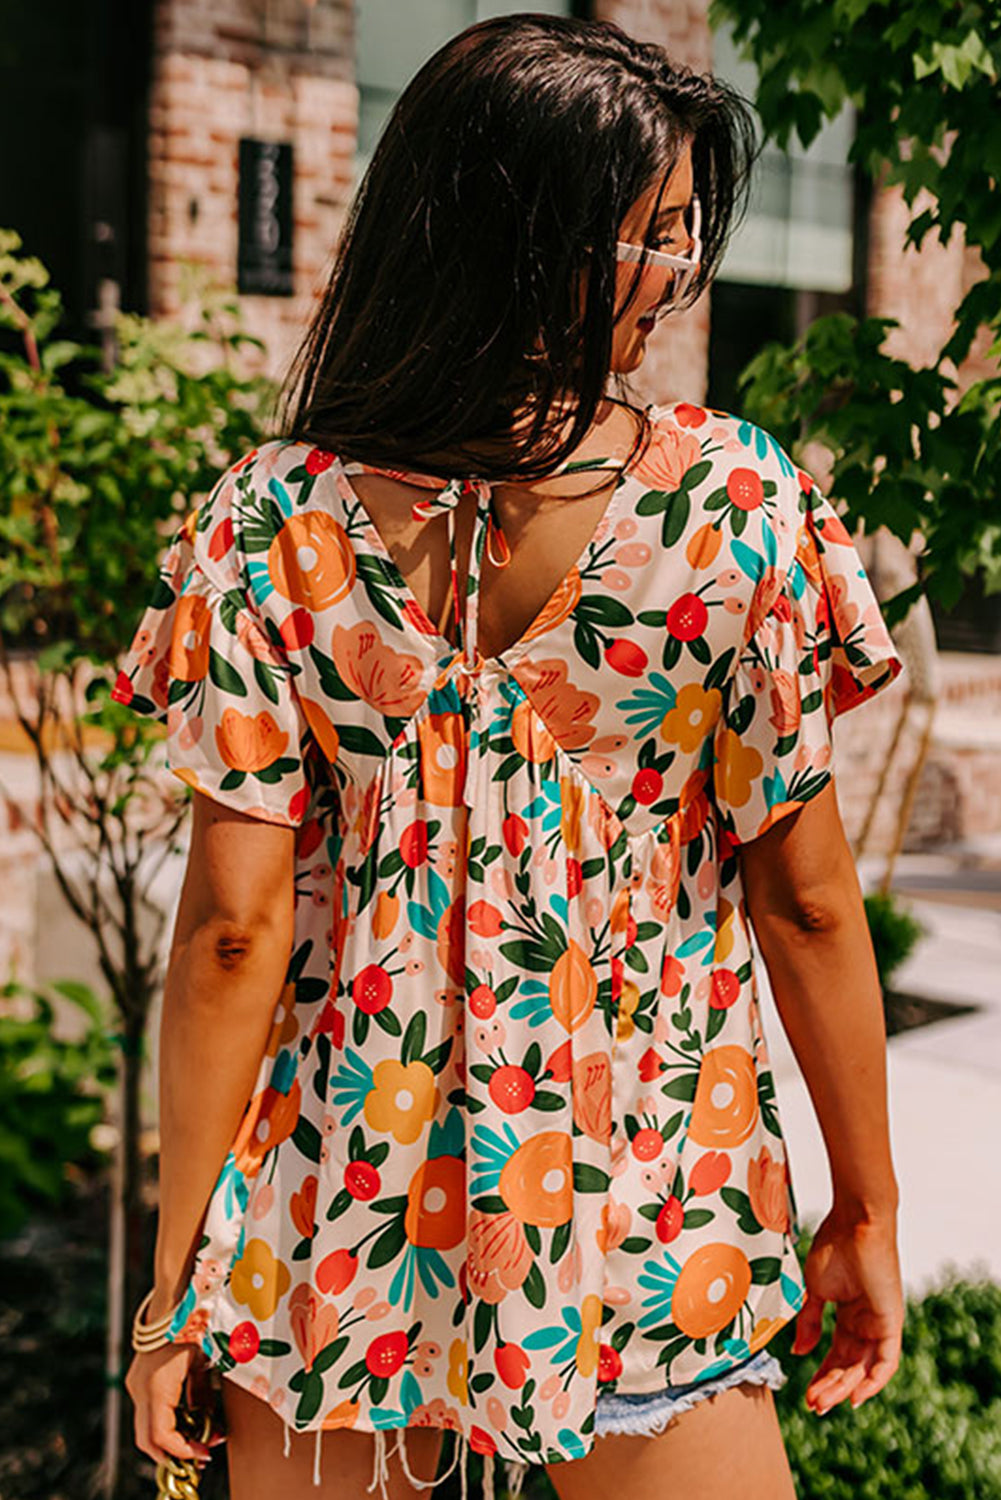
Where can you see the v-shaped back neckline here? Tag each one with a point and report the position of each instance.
(465, 645)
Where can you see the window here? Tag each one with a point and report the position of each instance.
(392, 41)
(798, 232)
(798, 254)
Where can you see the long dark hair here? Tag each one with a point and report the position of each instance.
(503, 172)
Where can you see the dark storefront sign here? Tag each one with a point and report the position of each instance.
(264, 256)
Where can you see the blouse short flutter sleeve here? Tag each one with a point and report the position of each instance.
(815, 645)
(203, 663)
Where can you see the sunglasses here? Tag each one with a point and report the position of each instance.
(684, 265)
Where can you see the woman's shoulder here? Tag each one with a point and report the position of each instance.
(732, 474)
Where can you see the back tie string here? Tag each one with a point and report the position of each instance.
(423, 1484)
(380, 1465)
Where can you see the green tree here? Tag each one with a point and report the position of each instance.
(908, 453)
(97, 471)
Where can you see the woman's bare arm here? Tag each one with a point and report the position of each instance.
(805, 903)
(228, 959)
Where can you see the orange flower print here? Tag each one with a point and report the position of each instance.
(259, 1280)
(314, 1322)
(710, 1289)
(560, 604)
(616, 1219)
(536, 1181)
(786, 703)
(270, 1119)
(249, 742)
(255, 641)
(738, 766)
(436, 1204)
(311, 561)
(725, 1109)
(588, 1347)
(323, 727)
(188, 653)
(592, 1096)
(668, 458)
(573, 987)
(302, 1206)
(389, 680)
(530, 736)
(566, 710)
(285, 1026)
(573, 800)
(767, 590)
(500, 1256)
(766, 1188)
(443, 758)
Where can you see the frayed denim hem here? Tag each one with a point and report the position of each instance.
(648, 1414)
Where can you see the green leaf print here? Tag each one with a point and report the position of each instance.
(225, 676)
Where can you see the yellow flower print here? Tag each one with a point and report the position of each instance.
(587, 1344)
(695, 711)
(403, 1099)
(628, 1004)
(739, 765)
(259, 1279)
(458, 1371)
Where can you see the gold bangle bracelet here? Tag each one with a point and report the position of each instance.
(149, 1336)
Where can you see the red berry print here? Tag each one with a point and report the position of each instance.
(317, 460)
(687, 618)
(669, 1220)
(414, 844)
(482, 1002)
(123, 691)
(647, 786)
(626, 657)
(575, 877)
(745, 489)
(609, 1363)
(372, 989)
(725, 989)
(511, 1089)
(362, 1180)
(386, 1354)
(244, 1342)
(647, 1144)
(297, 630)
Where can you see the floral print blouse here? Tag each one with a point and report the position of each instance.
(514, 1138)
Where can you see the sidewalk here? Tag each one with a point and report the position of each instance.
(944, 1078)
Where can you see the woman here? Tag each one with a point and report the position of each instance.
(506, 702)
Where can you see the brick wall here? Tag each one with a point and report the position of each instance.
(279, 72)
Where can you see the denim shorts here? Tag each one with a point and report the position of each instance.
(649, 1413)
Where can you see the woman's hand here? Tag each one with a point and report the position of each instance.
(155, 1382)
(852, 1262)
